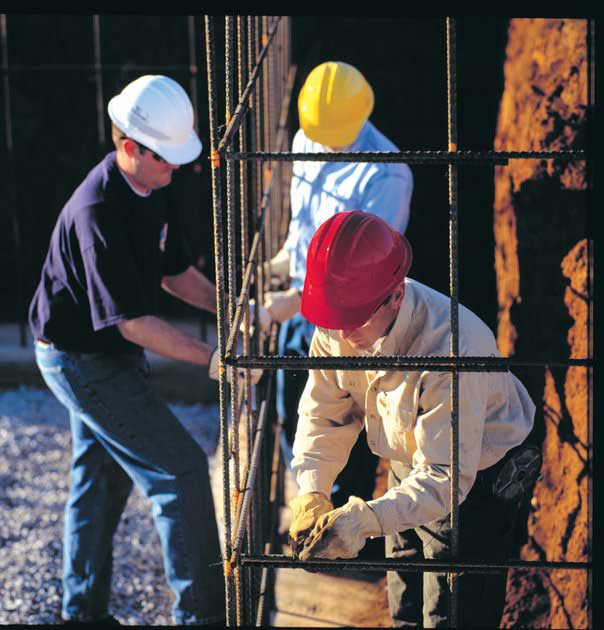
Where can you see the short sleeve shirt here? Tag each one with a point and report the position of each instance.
(108, 252)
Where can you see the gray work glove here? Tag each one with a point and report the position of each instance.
(306, 508)
(342, 532)
(213, 370)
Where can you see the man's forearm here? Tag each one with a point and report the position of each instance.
(192, 287)
(160, 337)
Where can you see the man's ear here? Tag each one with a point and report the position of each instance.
(398, 294)
(130, 147)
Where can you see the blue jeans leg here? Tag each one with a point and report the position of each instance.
(112, 397)
(295, 336)
(98, 493)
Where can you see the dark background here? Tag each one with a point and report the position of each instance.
(54, 123)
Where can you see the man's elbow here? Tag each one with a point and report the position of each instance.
(128, 329)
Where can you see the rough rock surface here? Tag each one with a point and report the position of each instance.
(543, 287)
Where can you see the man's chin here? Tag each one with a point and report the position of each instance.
(359, 345)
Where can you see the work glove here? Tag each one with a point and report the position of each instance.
(342, 532)
(264, 317)
(215, 374)
(306, 508)
(282, 305)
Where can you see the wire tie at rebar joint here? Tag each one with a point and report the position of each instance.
(235, 496)
(452, 147)
(228, 118)
(228, 568)
(215, 158)
(264, 40)
(267, 175)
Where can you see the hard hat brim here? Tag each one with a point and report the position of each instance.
(318, 311)
(173, 152)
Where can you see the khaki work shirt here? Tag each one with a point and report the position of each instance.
(407, 414)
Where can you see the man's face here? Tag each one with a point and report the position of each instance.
(147, 171)
(376, 326)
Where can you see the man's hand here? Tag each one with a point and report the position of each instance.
(282, 305)
(263, 316)
(307, 508)
(279, 268)
(213, 370)
(342, 532)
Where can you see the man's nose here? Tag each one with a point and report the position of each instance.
(174, 167)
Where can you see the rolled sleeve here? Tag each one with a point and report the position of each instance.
(424, 495)
(327, 428)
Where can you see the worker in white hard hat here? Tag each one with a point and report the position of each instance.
(357, 293)
(334, 106)
(116, 242)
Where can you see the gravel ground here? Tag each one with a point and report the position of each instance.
(34, 471)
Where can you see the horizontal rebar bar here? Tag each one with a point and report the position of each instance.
(248, 490)
(445, 364)
(391, 564)
(241, 109)
(411, 157)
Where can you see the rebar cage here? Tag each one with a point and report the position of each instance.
(253, 137)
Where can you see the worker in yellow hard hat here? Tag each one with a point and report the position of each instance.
(334, 106)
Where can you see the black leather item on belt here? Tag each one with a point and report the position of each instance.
(515, 475)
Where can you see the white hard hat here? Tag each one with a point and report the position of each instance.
(156, 111)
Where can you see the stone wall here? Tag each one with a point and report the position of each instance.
(543, 289)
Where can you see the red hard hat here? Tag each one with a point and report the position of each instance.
(354, 262)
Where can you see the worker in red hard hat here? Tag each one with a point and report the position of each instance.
(357, 293)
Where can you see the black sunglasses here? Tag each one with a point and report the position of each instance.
(143, 148)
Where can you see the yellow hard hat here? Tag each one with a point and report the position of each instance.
(334, 103)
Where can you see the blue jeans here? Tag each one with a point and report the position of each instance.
(122, 433)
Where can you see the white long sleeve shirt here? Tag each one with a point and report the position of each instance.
(320, 189)
(407, 413)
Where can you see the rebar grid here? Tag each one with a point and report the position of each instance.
(255, 121)
(255, 108)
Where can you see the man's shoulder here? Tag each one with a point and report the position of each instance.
(373, 140)
(302, 144)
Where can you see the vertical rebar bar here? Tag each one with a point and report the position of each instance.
(12, 183)
(220, 292)
(98, 80)
(229, 67)
(454, 339)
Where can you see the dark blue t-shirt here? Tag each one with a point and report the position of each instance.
(107, 255)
